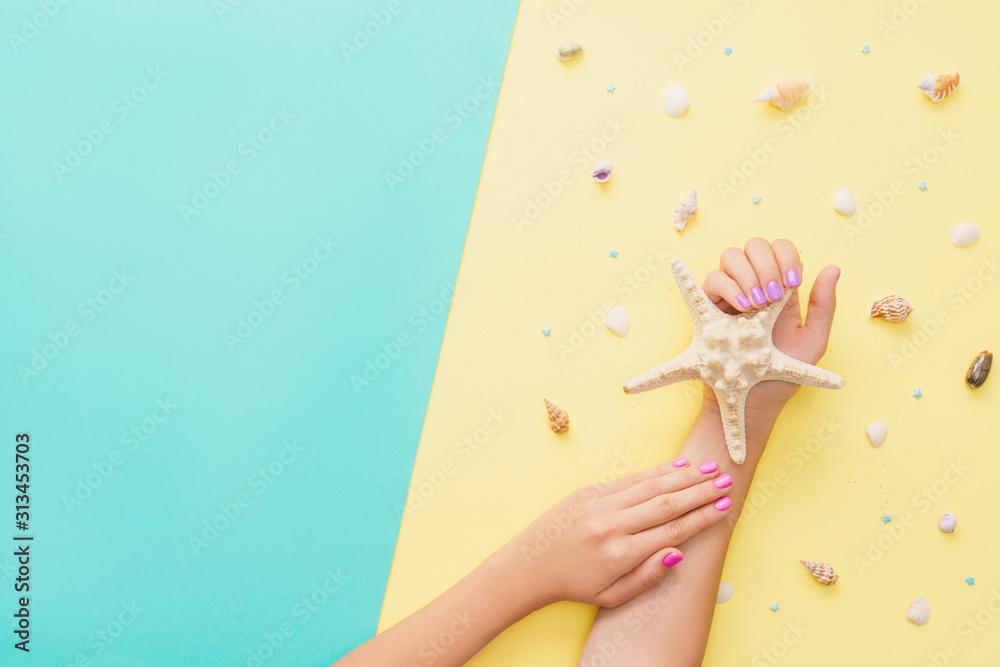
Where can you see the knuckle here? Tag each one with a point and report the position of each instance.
(649, 488)
(597, 529)
(667, 505)
(731, 253)
(674, 532)
(755, 242)
(614, 554)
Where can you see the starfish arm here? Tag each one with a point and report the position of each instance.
(784, 367)
(697, 301)
(681, 367)
(732, 407)
(776, 308)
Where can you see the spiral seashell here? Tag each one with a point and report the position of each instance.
(569, 51)
(979, 369)
(947, 522)
(893, 308)
(938, 86)
(784, 94)
(558, 419)
(685, 209)
(821, 572)
(919, 611)
(602, 171)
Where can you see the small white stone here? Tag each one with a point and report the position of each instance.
(617, 321)
(675, 100)
(948, 522)
(964, 233)
(919, 611)
(876, 432)
(725, 592)
(843, 202)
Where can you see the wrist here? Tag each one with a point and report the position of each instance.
(518, 590)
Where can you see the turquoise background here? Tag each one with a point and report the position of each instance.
(198, 249)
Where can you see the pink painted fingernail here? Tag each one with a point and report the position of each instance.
(708, 467)
(680, 462)
(723, 503)
(672, 559)
(723, 480)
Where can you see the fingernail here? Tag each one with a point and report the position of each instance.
(708, 467)
(672, 559)
(723, 480)
(774, 290)
(680, 462)
(723, 503)
(742, 301)
(792, 278)
(758, 296)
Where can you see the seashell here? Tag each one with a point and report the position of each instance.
(876, 432)
(947, 522)
(685, 209)
(979, 369)
(893, 308)
(821, 572)
(725, 592)
(843, 202)
(602, 171)
(964, 233)
(784, 94)
(558, 419)
(569, 51)
(938, 86)
(617, 321)
(919, 611)
(675, 100)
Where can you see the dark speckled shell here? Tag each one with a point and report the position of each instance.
(979, 370)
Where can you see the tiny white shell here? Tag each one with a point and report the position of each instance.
(675, 100)
(569, 51)
(602, 171)
(725, 592)
(947, 522)
(617, 321)
(964, 233)
(919, 611)
(876, 432)
(843, 202)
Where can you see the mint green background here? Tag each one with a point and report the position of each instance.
(324, 522)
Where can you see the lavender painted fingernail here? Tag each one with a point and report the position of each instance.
(672, 559)
(680, 462)
(792, 277)
(758, 296)
(774, 290)
(723, 503)
(742, 301)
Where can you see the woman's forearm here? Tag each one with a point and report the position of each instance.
(668, 625)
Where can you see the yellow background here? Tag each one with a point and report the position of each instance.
(487, 464)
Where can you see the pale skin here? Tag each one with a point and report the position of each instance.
(659, 535)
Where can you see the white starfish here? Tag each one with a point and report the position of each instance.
(731, 353)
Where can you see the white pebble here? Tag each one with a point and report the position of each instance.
(948, 522)
(919, 611)
(617, 321)
(675, 100)
(876, 432)
(964, 233)
(725, 592)
(843, 202)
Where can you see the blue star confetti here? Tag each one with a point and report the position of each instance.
(917, 393)
(971, 581)
(922, 186)
(886, 518)
(774, 606)
(610, 88)
(613, 253)
(755, 199)
(727, 51)
(866, 49)
(546, 332)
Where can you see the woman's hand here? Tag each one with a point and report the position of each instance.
(759, 274)
(607, 543)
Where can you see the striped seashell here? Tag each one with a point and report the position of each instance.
(784, 94)
(821, 572)
(893, 308)
(938, 86)
(558, 419)
(569, 51)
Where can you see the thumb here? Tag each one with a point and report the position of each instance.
(822, 305)
(646, 574)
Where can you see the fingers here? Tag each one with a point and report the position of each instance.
(683, 528)
(720, 287)
(788, 262)
(736, 265)
(670, 506)
(822, 305)
(646, 574)
(622, 483)
(765, 266)
(649, 488)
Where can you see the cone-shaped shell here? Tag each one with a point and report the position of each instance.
(821, 572)
(685, 209)
(784, 94)
(893, 308)
(938, 86)
(558, 419)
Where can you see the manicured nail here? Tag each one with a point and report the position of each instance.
(672, 559)
(723, 480)
(774, 290)
(742, 301)
(723, 503)
(708, 467)
(758, 296)
(680, 462)
(792, 278)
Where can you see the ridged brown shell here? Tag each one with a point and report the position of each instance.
(558, 419)
(979, 369)
(821, 572)
(893, 308)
